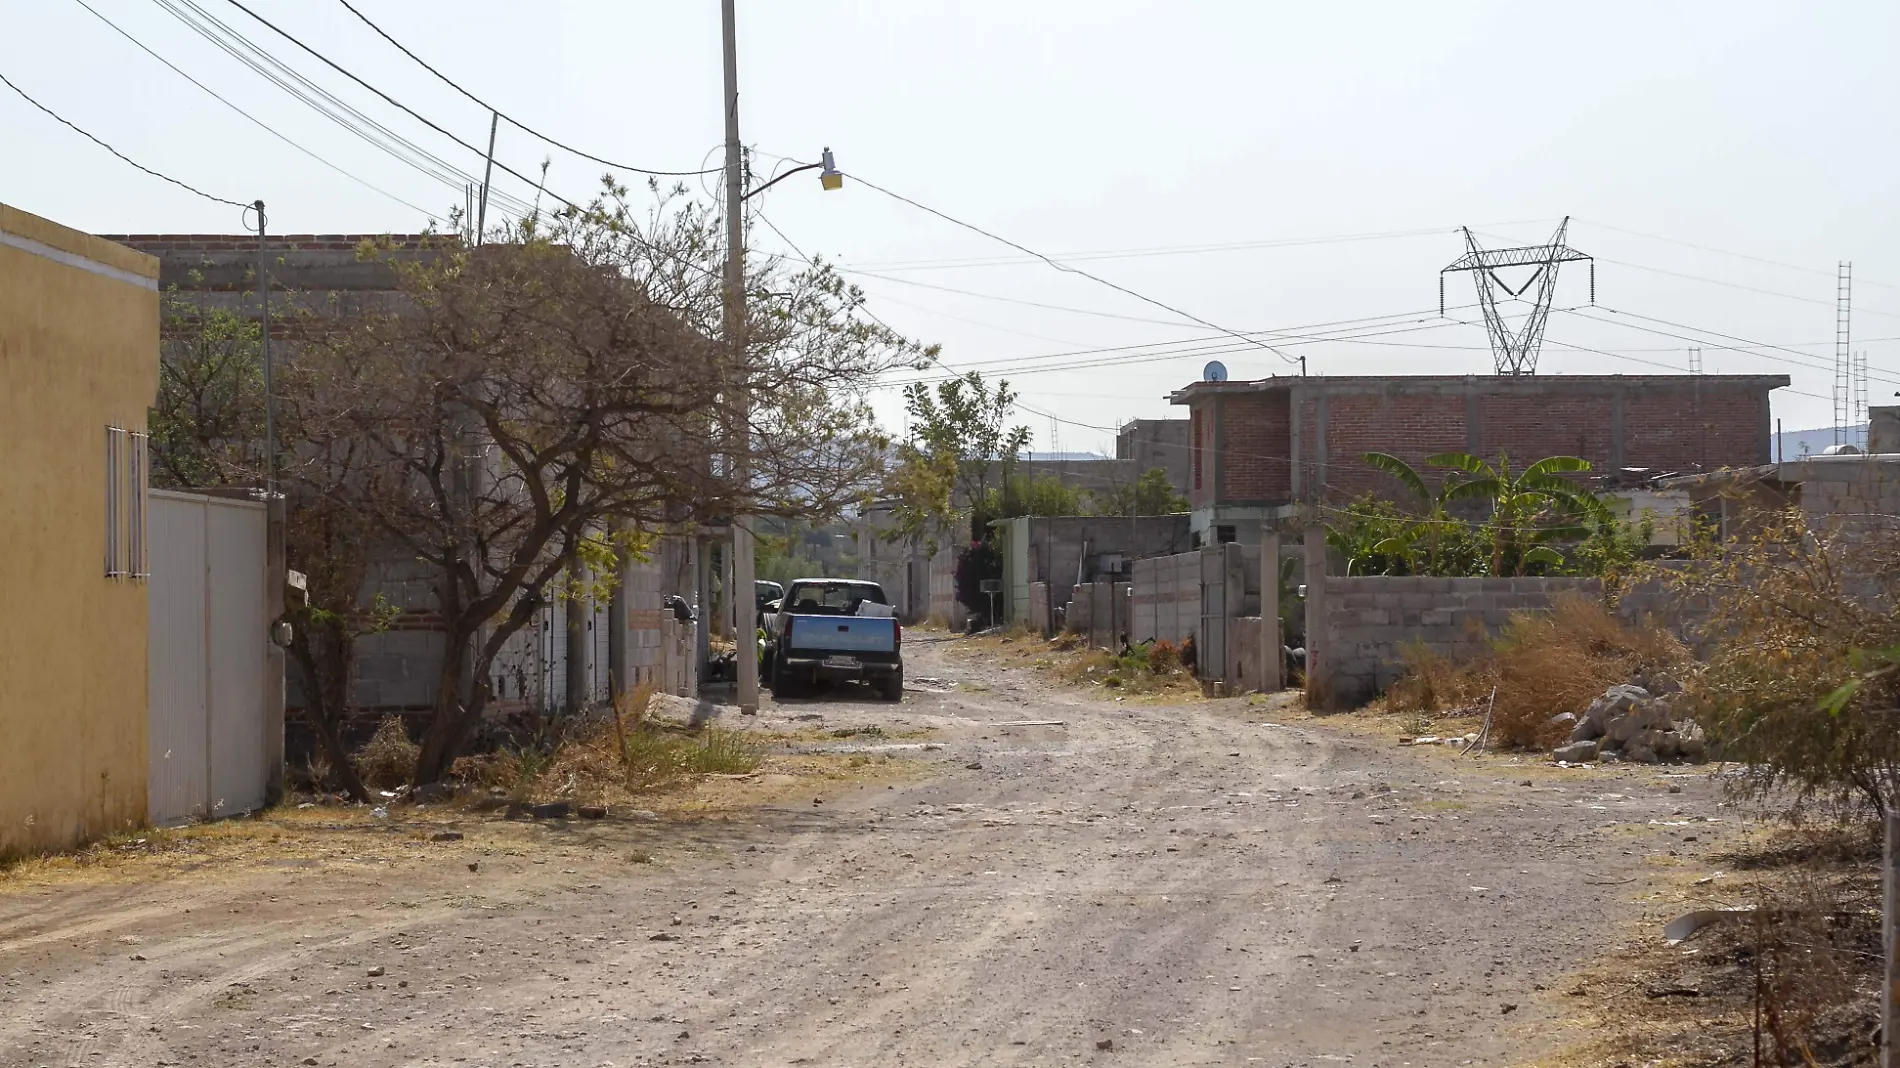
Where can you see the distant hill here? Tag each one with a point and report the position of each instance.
(1799, 443)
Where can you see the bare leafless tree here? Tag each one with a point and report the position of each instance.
(533, 392)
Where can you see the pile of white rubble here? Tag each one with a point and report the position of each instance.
(1626, 723)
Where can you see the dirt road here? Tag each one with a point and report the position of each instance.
(1196, 885)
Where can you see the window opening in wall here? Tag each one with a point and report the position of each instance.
(1223, 535)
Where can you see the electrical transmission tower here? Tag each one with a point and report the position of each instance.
(1515, 350)
(1843, 359)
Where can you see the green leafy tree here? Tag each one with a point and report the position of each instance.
(1034, 495)
(958, 460)
(1152, 494)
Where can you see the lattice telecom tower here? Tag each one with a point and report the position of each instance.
(1843, 357)
(1515, 351)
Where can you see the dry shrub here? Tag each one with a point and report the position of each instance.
(601, 759)
(388, 759)
(1432, 683)
(1164, 657)
(1547, 663)
(1794, 982)
(1803, 670)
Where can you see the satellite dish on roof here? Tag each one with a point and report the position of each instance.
(1215, 371)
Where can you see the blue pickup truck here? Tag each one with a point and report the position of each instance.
(833, 630)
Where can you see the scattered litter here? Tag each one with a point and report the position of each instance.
(1687, 924)
(379, 812)
(1707, 879)
(1032, 723)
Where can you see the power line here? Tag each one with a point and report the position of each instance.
(1801, 362)
(1165, 250)
(1011, 300)
(1195, 345)
(1724, 252)
(393, 102)
(262, 62)
(516, 123)
(1060, 266)
(266, 127)
(1731, 285)
(128, 159)
(1150, 357)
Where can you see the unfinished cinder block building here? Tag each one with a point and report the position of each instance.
(1258, 449)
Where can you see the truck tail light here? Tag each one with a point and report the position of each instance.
(787, 634)
(899, 628)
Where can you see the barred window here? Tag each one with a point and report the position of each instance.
(136, 485)
(126, 483)
(115, 501)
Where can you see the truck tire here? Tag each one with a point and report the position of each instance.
(891, 687)
(783, 685)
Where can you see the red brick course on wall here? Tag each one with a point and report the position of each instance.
(1409, 427)
(1256, 461)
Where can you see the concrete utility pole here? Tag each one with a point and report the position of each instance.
(481, 213)
(743, 599)
(270, 368)
(1890, 936)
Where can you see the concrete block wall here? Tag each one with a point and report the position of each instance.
(1848, 495)
(1081, 613)
(1368, 621)
(1167, 598)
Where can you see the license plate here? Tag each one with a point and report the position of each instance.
(842, 662)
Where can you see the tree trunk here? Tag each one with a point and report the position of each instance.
(450, 722)
(326, 655)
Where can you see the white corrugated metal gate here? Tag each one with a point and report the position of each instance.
(209, 655)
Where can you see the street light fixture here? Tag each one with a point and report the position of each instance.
(830, 177)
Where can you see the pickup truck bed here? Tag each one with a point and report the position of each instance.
(832, 640)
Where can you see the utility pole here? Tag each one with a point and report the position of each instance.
(488, 174)
(270, 376)
(1890, 939)
(744, 600)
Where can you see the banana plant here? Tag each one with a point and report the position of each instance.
(1529, 509)
(1431, 531)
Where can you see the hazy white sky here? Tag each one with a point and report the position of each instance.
(1760, 129)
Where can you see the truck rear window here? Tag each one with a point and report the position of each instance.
(831, 598)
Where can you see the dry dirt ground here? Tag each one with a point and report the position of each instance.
(1216, 883)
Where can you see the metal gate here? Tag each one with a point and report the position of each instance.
(209, 657)
(1210, 653)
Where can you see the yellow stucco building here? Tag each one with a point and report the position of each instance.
(79, 321)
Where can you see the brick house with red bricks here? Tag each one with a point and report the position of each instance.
(1259, 449)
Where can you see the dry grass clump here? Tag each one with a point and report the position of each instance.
(1139, 671)
(1432, 682)
(1792, 981)
(388, 759)
(1542, 664)
(600, 759)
